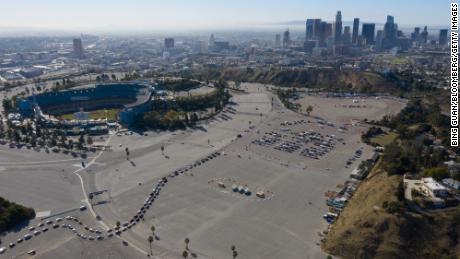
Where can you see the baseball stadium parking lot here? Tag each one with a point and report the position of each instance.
(188, 206)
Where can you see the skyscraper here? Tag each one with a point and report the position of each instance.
(329, 34)
(212, 40)
(320, 29)
(390, 31)
(379, 39)
(286, 38)
(354, 38)
(368, 33)
(424, 35)
(277, 40)
(309, 29)
(338, 27)
(443, 37)
(346, 37)
(169, 43)
(78, 48)
(316, 28)
(415, 36)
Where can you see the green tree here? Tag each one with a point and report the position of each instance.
(234, 252)
(309, 109)
(7, 105)
(81, 141)
(89, 140)
(438, 173)
(194, 118)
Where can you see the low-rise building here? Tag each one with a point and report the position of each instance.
(451, 183)
(432, 187)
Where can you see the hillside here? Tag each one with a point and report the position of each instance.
(333, 80)
(367, 230)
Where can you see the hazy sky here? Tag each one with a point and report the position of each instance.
(209, 14)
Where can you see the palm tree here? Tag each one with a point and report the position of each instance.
(150, 239)
(127, 153)
(187, 241)
(185, 254)
(152, 228)
(91, 196)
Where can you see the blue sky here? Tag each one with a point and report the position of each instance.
(204, 14)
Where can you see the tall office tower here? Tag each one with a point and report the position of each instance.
(389, 33)
(361, 41)
(443, 37)
(309, 29)
(286, 38)
(338, 27)
(316, 28)
(320, 34)
(328, 30)
(379, 39)
(78, 48)
(415, 36)
(277, 40)
(169, 43)
(346, 37)
(212, 40)
(324, 32)
(354, 38)
(368, 33)
(424, 35)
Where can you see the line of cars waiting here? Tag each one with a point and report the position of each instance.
(358, 154)
(98, 234)
(42, 227)
(154, 194)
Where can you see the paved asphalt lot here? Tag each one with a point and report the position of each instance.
(214, 218)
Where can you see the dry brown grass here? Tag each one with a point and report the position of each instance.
(366, 230)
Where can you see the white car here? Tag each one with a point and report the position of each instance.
(2, 250)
